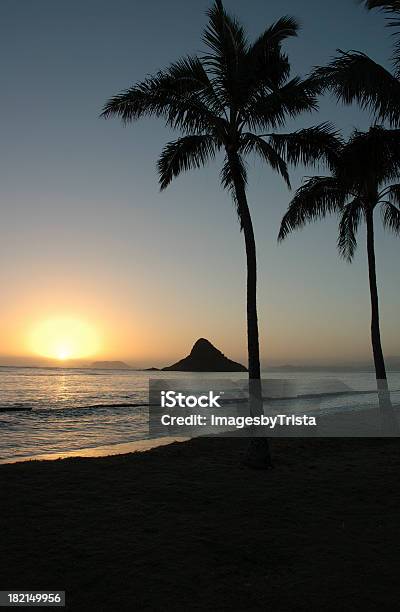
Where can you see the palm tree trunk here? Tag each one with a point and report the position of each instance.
(379, 361)
(252, 318)
(258, 454)
(389, 422)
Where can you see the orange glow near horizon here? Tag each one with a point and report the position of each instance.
(64, 338)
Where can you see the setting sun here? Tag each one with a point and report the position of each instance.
(64, 338)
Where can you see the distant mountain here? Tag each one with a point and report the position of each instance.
(392, 365)
(204, 357)
(110, 365)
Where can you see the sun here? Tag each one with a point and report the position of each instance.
(64, 338)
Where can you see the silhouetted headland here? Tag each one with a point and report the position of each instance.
(204, 357)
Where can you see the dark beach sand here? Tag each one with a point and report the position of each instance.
(186, 527)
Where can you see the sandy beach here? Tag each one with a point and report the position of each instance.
(185, 526)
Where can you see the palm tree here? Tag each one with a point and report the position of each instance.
(219, 102)
(354, 77)
(390, 7)
(361, 181)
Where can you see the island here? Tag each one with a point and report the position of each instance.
(110, 365)
(204, 357)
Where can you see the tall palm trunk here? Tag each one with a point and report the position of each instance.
(379, 361)
(389, 423)
(253, 346)
(258, 455)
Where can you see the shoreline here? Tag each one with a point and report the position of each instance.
(106, 450)
(366, 422)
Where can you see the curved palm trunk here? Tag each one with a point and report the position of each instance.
(379, 361)
(252, 318)
(258, 455)
(388, 419)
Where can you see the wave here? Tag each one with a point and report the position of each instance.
(326, 394)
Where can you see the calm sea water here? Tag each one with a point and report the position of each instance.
(75, 409)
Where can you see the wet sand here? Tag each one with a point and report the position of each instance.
(106, 450)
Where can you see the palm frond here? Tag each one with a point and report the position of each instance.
(354, 77)
(182, 95)
(392, 9)
(253, 143)
(284, 28)
(348, 226)
(318, 197)
(224, 35)
(231, 172)
(233, 177)
(389, 6)
(190, 77)
(265, 67)
(321, 143)
(184, 154)
(392, 193)
(265, 63)
(227, 42)
(269, 110)
(391, 216)
(371, 157)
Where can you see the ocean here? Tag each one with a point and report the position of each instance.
(75, 409)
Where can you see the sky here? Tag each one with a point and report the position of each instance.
(85, 233)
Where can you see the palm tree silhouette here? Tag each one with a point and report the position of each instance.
(390, 7)
(220, 102)
(354, 77)
(360, 182)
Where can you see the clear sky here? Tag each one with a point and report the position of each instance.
(85, 233)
